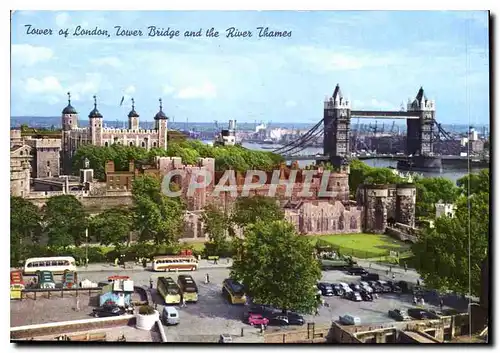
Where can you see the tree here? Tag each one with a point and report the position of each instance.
(65, 221)
(218, 227)
(277, 266)
(112, 227)
(249, 210)
(157, 217)
(24, 226)
(475, 183)
(442, 253)
(431, 191)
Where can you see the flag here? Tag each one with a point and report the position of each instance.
(123, 98)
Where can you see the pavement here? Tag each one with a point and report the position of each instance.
(129, 267)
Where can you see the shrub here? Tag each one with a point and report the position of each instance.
(146, 310)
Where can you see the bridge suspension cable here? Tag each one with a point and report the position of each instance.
(301, 140)
(303, 144)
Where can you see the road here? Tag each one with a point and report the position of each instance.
(212, 315)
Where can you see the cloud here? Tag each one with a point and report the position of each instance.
(290, 104)
(107, 61)
(29, 55)
(205, 91)
(48, 84)
(62, 19)
(168, 90)
(336, 60)
(130, 90)
(374, 104)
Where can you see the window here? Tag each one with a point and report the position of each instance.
(143, 144)
(54, 263)
(48, 163)
(30, 264)
(66, 263)
(154, 144)
(21, 153)
(105, 144)
(131, 144)
(60, 263)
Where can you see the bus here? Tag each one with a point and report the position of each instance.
(233, 291)
(175, 263)
(188, 288)
(16, 284)
(169, 290)
(56, 265)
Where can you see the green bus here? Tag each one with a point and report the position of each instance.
(169, 290)
(234, 291)
(188, 288)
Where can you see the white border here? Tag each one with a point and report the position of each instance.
(214, 5)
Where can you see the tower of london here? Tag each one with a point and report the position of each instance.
(96, 134)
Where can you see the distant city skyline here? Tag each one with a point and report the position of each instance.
(380, 59)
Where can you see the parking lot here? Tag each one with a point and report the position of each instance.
(211, 316)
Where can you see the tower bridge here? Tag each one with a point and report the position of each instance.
(422, 132)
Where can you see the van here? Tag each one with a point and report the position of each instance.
(349, 320)
(370, 277)
(170, 315)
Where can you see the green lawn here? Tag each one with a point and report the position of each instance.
(357, 244)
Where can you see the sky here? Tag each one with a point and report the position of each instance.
(380, 59)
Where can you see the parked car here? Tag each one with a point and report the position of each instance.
(70, 279)
(170, 315)
(356, 271)
(366, 287)
(370, 277)
(421, 314)
(108, 310)
(399, 315)
(377, 288)
(394, 287)
(405, 286)
(349, 320)
(354, 296)
(278, 320)
(225, 338)
(257, 320)
(294, 318)
(355, 287)
(325, 288)
(338, 290)
(367, 297)
(345, 287)
(386, 288)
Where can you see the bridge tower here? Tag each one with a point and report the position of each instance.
(420, 132)
(337, 128)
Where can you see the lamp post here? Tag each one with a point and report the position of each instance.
(87, 248)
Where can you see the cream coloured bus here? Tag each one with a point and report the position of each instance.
(56, 264)
(175, 263)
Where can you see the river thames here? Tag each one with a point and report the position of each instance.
(452, 175)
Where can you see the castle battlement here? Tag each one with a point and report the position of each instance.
(128, 131)
(44, 143)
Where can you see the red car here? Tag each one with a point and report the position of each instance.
(257, 319)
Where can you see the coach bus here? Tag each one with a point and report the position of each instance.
(56, 265)
(188, 288)
(175, 263)
(233, 291)
(169, 290)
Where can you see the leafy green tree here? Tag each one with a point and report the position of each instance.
(475, 183)
(65, 221)
(277, 266)
(25, 226)
(250, 210)
(431, 191)
(358, 172)
(157, 217)
(442, 252)
(112, 227)
(218, 227)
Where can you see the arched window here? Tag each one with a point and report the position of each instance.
(143, 144)
(154, 144)
(48, 163)
(131, 144)
(105, 144)
(21, 153)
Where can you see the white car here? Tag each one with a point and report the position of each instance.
(345, 287)
(366, 287)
